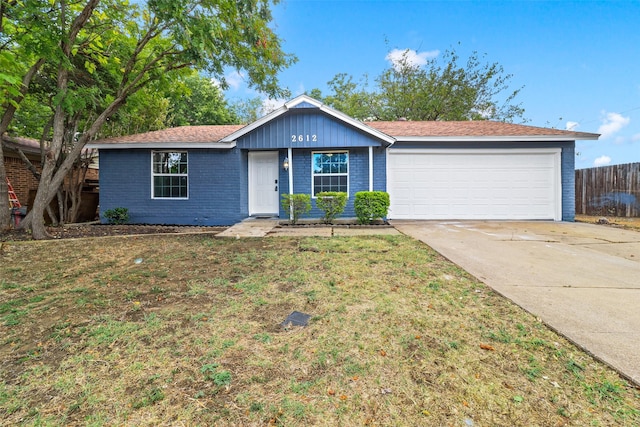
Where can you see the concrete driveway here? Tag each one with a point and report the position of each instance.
(583, 280)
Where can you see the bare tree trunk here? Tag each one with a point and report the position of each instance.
(62, 201)
(67, 205)
(52, 215)
(73, 190)
(46, 190)
(43, 198)
(28, 164)
(5, 210)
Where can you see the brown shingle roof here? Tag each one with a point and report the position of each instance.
(184, 134)
(469, 129)
(397, 129)
(25, 144)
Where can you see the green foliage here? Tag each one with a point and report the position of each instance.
(332, 203)
(371, 205)
(446, 91)
(146, 110)
(348, 96)
(296, 204)
(263, 338)
(117, 215)
(222, 378)
(196, 100)
(441, 89)
(211, 373)
(248, 110)
(86, 60)
(150, 397)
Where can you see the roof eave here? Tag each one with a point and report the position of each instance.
(487, 138)
(23, 148)
(163, 145)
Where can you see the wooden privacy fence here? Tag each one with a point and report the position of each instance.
(609, 190)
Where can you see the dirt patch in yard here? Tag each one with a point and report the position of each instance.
(75, 231)
(611, 221)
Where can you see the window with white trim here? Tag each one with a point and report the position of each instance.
(330, 171)
(169, 175)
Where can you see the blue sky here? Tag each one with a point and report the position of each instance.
(579, 61)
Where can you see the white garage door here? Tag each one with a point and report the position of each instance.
(474, 184)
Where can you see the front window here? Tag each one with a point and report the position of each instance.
(330, 172)
(169, 175)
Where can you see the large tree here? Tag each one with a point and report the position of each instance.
(18, 66)
(198, 100)
(101, 53)
(440, 89)
(350, 97)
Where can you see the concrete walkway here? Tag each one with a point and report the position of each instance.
(583, 280)
(250, 227)
(258, 227)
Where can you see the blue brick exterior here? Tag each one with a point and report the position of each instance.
(358, 176)
(215, 188)
(568, 159)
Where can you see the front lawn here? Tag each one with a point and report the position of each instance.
(186, 330)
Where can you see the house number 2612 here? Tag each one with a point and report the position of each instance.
(304, 138)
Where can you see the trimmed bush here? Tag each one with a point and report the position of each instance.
(332, 203)
(371, 205)
(296, 204)
(117, 215)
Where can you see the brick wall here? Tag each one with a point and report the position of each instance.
(214, 186)
(92, 174)
(217, 185)
(568, 158)
(22, 180)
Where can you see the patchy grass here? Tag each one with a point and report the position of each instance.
(190, 335)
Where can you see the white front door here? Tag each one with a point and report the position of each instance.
(264, 195)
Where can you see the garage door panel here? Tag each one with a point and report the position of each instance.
(478, 185)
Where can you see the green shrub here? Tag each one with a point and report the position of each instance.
(117, 215)
(296, 204)
(332, 203)
(371, 205)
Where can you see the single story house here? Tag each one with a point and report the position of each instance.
(219, 175)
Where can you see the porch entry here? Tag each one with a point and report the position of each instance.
(264, 194)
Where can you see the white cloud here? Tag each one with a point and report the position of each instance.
(413, 58)
(572, 125)
(602, 161)
(612, 123)
(270, 105)
(234, 79)
(300, 89)
(635, 137)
